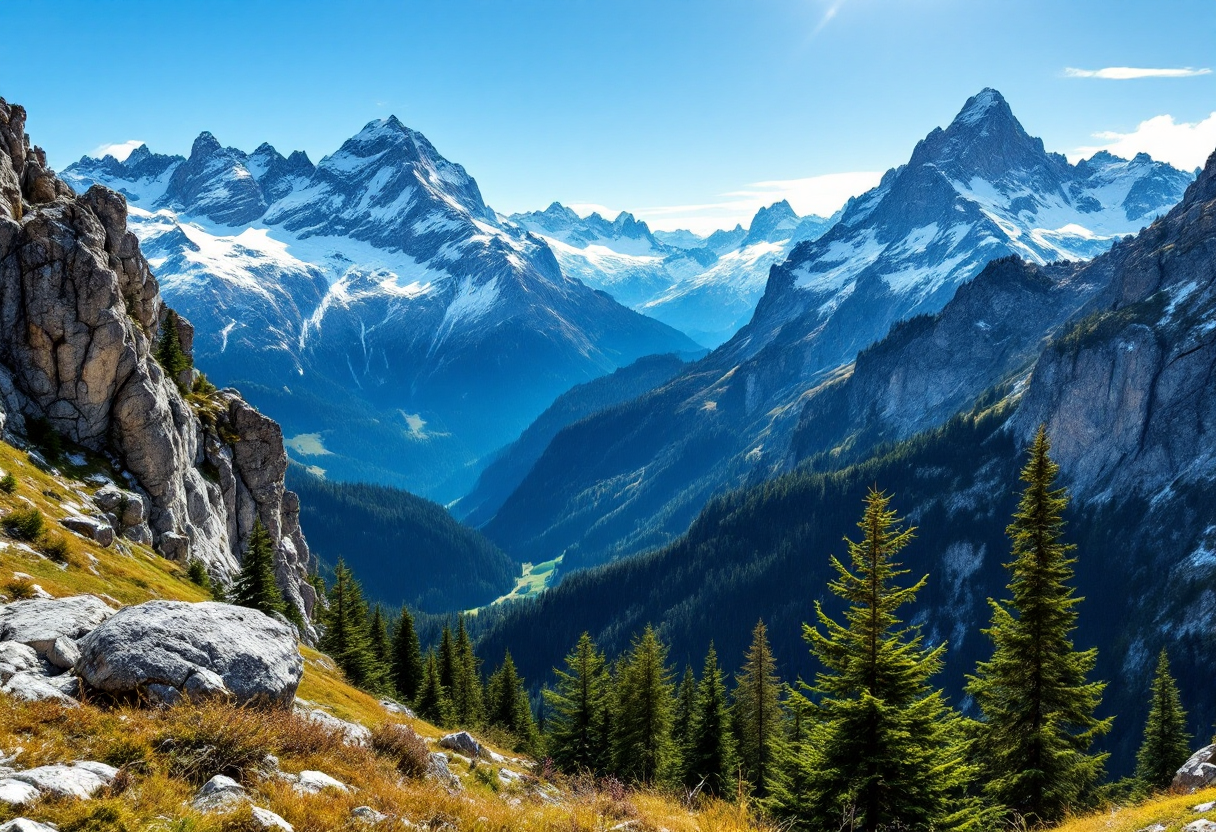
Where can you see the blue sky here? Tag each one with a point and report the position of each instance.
(674, 110)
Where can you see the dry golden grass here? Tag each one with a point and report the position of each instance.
(1173, 811)
(165, 754)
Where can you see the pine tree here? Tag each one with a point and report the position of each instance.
(709, 758)
(883, 750)
(508, 707)
(169, 349)
(790, 783)
(686, 705)
(578, 705)
(643, 749)
(1166, 744)
(256, 586)
(1037, 706)
(757, 712)
(381, 650)
(346, 638)
(447, 660)
(408, 667)
(432, 703)
(468, 705)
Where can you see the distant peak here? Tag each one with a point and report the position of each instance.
(205, 144)
(983, 106)
(264, 148)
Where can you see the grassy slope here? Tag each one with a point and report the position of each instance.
(1171, 811)
(160, 751)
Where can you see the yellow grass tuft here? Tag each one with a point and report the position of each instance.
(1173, 811)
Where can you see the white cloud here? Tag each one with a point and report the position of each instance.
(586, 209)
(1184, 145)
(821, 195)
(119, 150)
(1128, 73)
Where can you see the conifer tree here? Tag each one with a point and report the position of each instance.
(408, 667)
(1166, 744)
(686, 705)
(447, 660)
(381, 650)
(790, 783)
(883, 750)
(256, 586)
(169, 352)
(1037, 706)
(346, 638)
(508, 706)
(468, 705)
(432, 703)
(709, 757)
(757, 712)
(643, 749)
(577, 737)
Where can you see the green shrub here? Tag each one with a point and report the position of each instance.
(56, 547)
(403, 746)
(197, 573)
(8, 483)
(24, 523)
(19, 589)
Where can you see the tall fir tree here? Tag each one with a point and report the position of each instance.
(432, 703)
(686, 705)
(643, 749)
(407, 663)
(709, 755)
(577, 711)
(346, 639)
(447, 660)
(757, 712)
(884, 749)
(508, 707)
(1037, 705)
(467, 696)
(381, 649)
(169, 353)
(790, 784)
(256, 586)
(1166, 745)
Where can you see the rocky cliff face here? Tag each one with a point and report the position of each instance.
(80, 314)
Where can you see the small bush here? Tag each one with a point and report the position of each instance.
(8, 483)
(403, 746)
(56, 547)
(19, 589)
(202, 385)
(201, 741)
(128, 752)
(42, 434)
(487, 776)
(110, 816)
(197, 573)
(24, 523)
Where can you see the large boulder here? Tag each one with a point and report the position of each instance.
(168, 649)
(1198, 771)
(40, 622)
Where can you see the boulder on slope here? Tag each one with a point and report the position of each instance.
(1198, 771)
(169, 649)
(39, 622)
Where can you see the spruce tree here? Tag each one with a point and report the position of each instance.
(378, 640)
(346, 638)
(883, 750)
(578, 711)
(790, 783)
(686, 705)
(644, 752)
(408, 667)
(757, 712)
(467, 697)
(1166, 744)
(169, 352)
(447, 660)
(256, 586)
(1038, 708)
(432, 703)
(508, 707)
(709, 757)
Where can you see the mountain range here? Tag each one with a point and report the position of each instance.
(1113, 356)
(372, 302)
(635, 476)
(706, 287)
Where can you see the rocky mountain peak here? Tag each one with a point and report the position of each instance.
(205, 145)
(771, 223)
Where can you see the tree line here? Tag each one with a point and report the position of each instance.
(869, 743)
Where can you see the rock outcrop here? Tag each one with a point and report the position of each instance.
(80, 311)
(165, 650)
(1197, 772)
